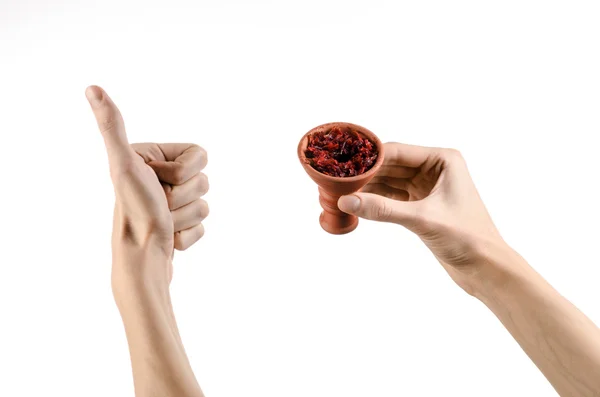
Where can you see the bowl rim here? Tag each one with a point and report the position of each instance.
(340, 179)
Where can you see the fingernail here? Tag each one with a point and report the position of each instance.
(349, 203)
(94, 95)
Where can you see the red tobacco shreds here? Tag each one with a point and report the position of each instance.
(340, 152)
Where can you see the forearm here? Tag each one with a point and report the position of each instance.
(159, 362)
(561, 340)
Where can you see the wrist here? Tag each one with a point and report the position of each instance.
(140, 275)
(499, 269)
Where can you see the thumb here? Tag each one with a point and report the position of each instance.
(378, 208)
(110, 122)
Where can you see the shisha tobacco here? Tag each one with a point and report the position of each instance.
(340, 152)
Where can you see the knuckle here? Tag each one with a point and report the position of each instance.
(203, 184)
(382, 211)
(202, 153)
(137, 147)
(108, 123)
(178, 174)
(202, 209)
(453, 154)
(200, 156)
(200, 233)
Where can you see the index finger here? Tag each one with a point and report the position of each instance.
(406, 155)
(174, 163)
(174, 151)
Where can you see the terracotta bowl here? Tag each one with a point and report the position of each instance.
(331, 188)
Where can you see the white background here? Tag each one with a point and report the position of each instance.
(268, 304)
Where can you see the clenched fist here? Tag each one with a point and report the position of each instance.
(157, 189)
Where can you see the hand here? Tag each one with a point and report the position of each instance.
(430, 192)
(157, 189)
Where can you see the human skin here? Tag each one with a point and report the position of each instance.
(158, 209)
(427, 190)
(430, 192)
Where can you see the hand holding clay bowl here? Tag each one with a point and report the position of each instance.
(341, 158)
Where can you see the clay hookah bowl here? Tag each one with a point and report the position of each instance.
(331, 188)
